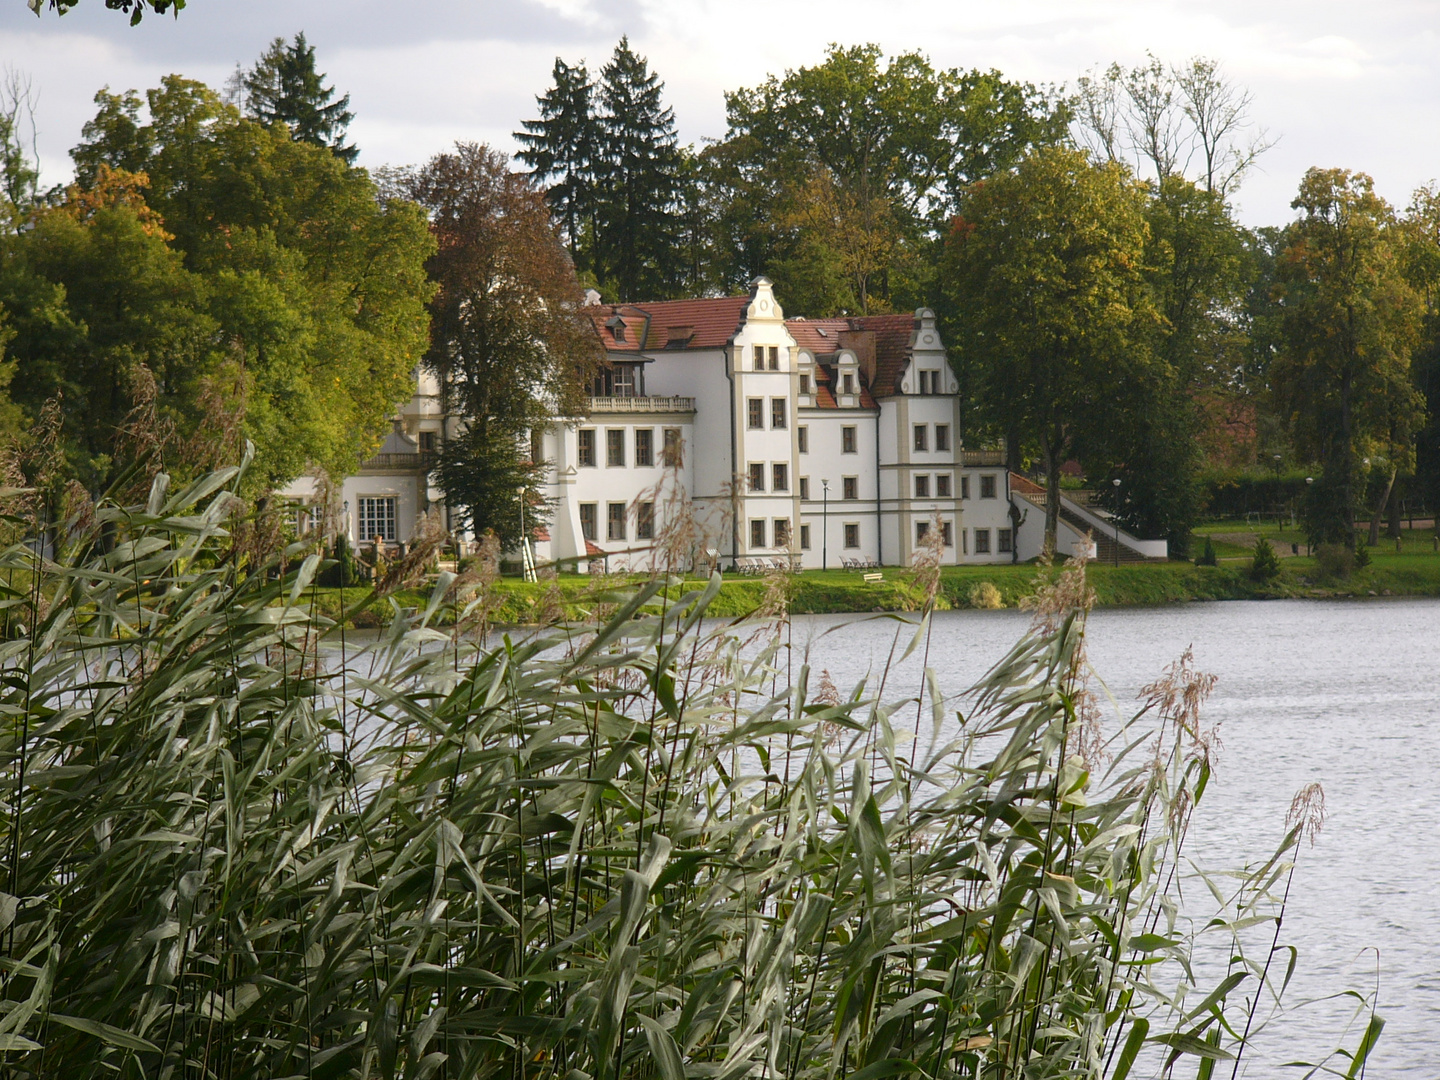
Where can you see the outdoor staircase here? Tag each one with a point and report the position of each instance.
(1104, 542)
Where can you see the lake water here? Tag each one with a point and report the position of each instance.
(1343, 692)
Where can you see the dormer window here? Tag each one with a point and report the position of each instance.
(847, 383)
(804, 383)
(679, 336)
(616, 326)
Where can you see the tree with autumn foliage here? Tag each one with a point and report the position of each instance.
(508, 341)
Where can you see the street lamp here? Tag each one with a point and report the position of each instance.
(1116, 519)
(825, 525)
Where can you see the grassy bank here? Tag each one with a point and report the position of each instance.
(1414, 573)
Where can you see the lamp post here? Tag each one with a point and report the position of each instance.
(825, 525)
(1116, 519)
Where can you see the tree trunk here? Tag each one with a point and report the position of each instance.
(1052, 494)
(1393, 531)
(1374, 537)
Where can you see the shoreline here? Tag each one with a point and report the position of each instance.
(838, 592)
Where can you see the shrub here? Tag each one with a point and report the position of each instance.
(1265, 565)
(232, 852)
(1362, 553)
(1208, 557)
(986, 597)
(343, 569)
(1335, 561)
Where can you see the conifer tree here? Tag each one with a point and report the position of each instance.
(637, 182)
(284, 87)
(560, 150)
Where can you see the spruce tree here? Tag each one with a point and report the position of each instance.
(637, 182)
(284, 87)
(560, 150)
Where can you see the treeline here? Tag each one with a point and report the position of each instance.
(221, 269)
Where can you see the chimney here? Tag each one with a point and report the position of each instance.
(862, 344)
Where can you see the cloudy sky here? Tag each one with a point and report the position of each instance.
(1341, 83)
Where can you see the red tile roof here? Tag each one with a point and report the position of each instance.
(591, 549)
(1020, 484)
(697, 324)
(894, 335)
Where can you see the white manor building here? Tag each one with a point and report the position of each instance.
(809, 442)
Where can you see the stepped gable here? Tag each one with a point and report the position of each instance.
(668, 324)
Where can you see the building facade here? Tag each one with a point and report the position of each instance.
(721, 432)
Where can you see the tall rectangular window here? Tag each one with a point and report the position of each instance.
(922, 437)
(782, 532)
(942, 437)
(982, 541)
(588, 519)
(964, 487)
(942, 485)
(585, 446)
(922, 530)
(847, 440)
(774, 358)
(755, 413)
(1004, 541)
(922, 487)
(802, 438)
(777, 412)
(757, 476)
(805, 383)
(644, 447)
(852, 535)
(615, 521)
(615, 447)
(804, 537)
(758, 354)
(947, 534)
(645, 521)
(779, 476)
(377, 518)
(757, 533)
(851, 487)
(674, 448)
(622, 381)
(987, 487)
(847, 383)
(427, 444)
(804, 488)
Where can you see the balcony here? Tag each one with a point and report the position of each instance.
(982, 457)
(642, 404)
(412, 462)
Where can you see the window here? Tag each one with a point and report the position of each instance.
(615, 521)
(644, 447)
(922, 437)
(804, 537)
(1004, 541)
(615, 447)
(779, 476)
(802, 437)
(851, 487)
(585, 446)
(852, 535)
(964, 541)
(757, 533)
(377, 518)
(755, 413)
(804, 487)
(942, 485)
(782, 532)
(587, 520)
(942, 437)
(805, 382)
(427, 442)
(757, 476)
(982, 541)
(674, 448)
(964, 487)
(645, 521)
(926, 386)
(622, 381)
(987, 487)
(922, 487)
(758, 354)
(848, 382)
(775, 361)
(847, 440)
(947, 534)
(922, 530)
(777, 412)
